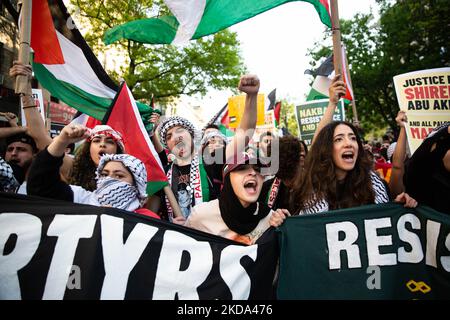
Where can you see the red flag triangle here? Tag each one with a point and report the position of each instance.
(44, 40)
(124, 117)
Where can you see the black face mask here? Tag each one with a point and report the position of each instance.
(18, 171)
(239, 219)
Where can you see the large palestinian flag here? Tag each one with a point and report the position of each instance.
(193, 19)
(65, 65)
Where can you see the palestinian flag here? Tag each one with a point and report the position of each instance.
(193, 19)
(276, 111)
(319, 89)
(323, 77)
(222, 120)
(349, 94)
(65, 65)
(269, 102)
(273, 105)
(124, 117)
(85, 120)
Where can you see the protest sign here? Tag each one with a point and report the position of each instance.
(309, 114)
(425, 96)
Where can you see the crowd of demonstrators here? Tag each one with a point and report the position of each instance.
(237, 214)
(338, 174)
(121, 179)
(225, 186)
(192, 179)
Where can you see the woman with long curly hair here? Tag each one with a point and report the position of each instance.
(102, 140)
(337, 172)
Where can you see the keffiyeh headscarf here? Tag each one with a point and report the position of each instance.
(105, 130)
(173, 122)
(120, 194)
(213, 134)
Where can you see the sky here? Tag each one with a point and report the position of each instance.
(274, 46)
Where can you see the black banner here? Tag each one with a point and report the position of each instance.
(59, 250)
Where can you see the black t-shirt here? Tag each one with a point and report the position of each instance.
(180, 186)
(213, 164)
(282, 198)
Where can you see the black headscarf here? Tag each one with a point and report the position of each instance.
(239, 219)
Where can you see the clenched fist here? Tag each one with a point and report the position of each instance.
(249, 84)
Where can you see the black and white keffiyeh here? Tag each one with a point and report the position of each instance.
(381, 196)
(117, 192)
(8, 182)
(213, 134)
(173, 122)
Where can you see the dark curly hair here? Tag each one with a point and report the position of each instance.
(289, 157)
(318, 179)
(83, 173)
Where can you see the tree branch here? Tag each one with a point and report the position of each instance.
(12, 11)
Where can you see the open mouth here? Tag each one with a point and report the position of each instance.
(348, 156)
(250, 186)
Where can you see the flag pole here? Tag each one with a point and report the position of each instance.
(22, 84)
(355, 113)
(336, 33)
(173, 201)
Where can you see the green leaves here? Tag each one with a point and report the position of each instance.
(409, 35)
(165, 71)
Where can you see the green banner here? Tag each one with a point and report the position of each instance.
(309, 114)
(371, 252)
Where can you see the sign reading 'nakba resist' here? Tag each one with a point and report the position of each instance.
(310, 113)
(372, 252)
(59, 250)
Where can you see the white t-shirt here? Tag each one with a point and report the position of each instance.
(23, 188)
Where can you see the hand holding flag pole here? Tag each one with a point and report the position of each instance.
(337, 50)
(23, 86)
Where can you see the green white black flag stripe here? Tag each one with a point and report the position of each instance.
(193, 19)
